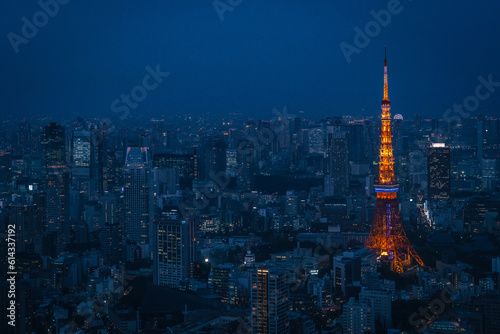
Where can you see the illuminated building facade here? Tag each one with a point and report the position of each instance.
(270, 302)
(175, 251)
(438, 172)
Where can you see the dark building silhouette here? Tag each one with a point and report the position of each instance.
(53, 145)
(214, 158)
(187, 164)
(438, 172)
(339, 161)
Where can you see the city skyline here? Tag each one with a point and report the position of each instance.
(221, 166)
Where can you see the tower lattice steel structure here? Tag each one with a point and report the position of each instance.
(387, 236)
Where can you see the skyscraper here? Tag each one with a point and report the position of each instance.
(381, 303)
(270, 301)
(80, 149)
(357, 317)
(24, 138)
(56, 186)
(339, 160)
(80, 160)
(24, 218)
(246, 165)
(214, 157)
(138, 196)
(357, 147)
(53, 145)
(57, 204)
(438, 172)
(174, 255)
(387, 236)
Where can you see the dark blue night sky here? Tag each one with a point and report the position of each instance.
(263, 55)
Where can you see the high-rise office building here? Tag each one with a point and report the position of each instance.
(214, 154)
(219, 280)
(57, 204)
(270, 301)
(316, 140)
(165, 180)
(138, 197)
(175, 252)
(110, 240)
(24, 218)
(328, 186)
(80, 160)
(357, 317)
(357, 147)
(24, 138)
(53, 145)
(246, 165)
(339, 160)
(346, 270)
(80, 149)
(438, 172)
(491, 312)
(53, 142)
(187, 164)
(100, 164)
(5, 166)
(381, 303)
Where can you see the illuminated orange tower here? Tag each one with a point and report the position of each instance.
(387, 236)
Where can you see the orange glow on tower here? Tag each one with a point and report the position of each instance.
(387, 236)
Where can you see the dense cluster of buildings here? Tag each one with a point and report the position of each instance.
(196, 225)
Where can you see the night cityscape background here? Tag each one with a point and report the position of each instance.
(223, 167)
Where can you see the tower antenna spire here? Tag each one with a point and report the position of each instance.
(386, 84)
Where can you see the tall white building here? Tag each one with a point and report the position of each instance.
(357, 317)
(380, 301)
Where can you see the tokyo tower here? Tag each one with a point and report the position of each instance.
(387, 236)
